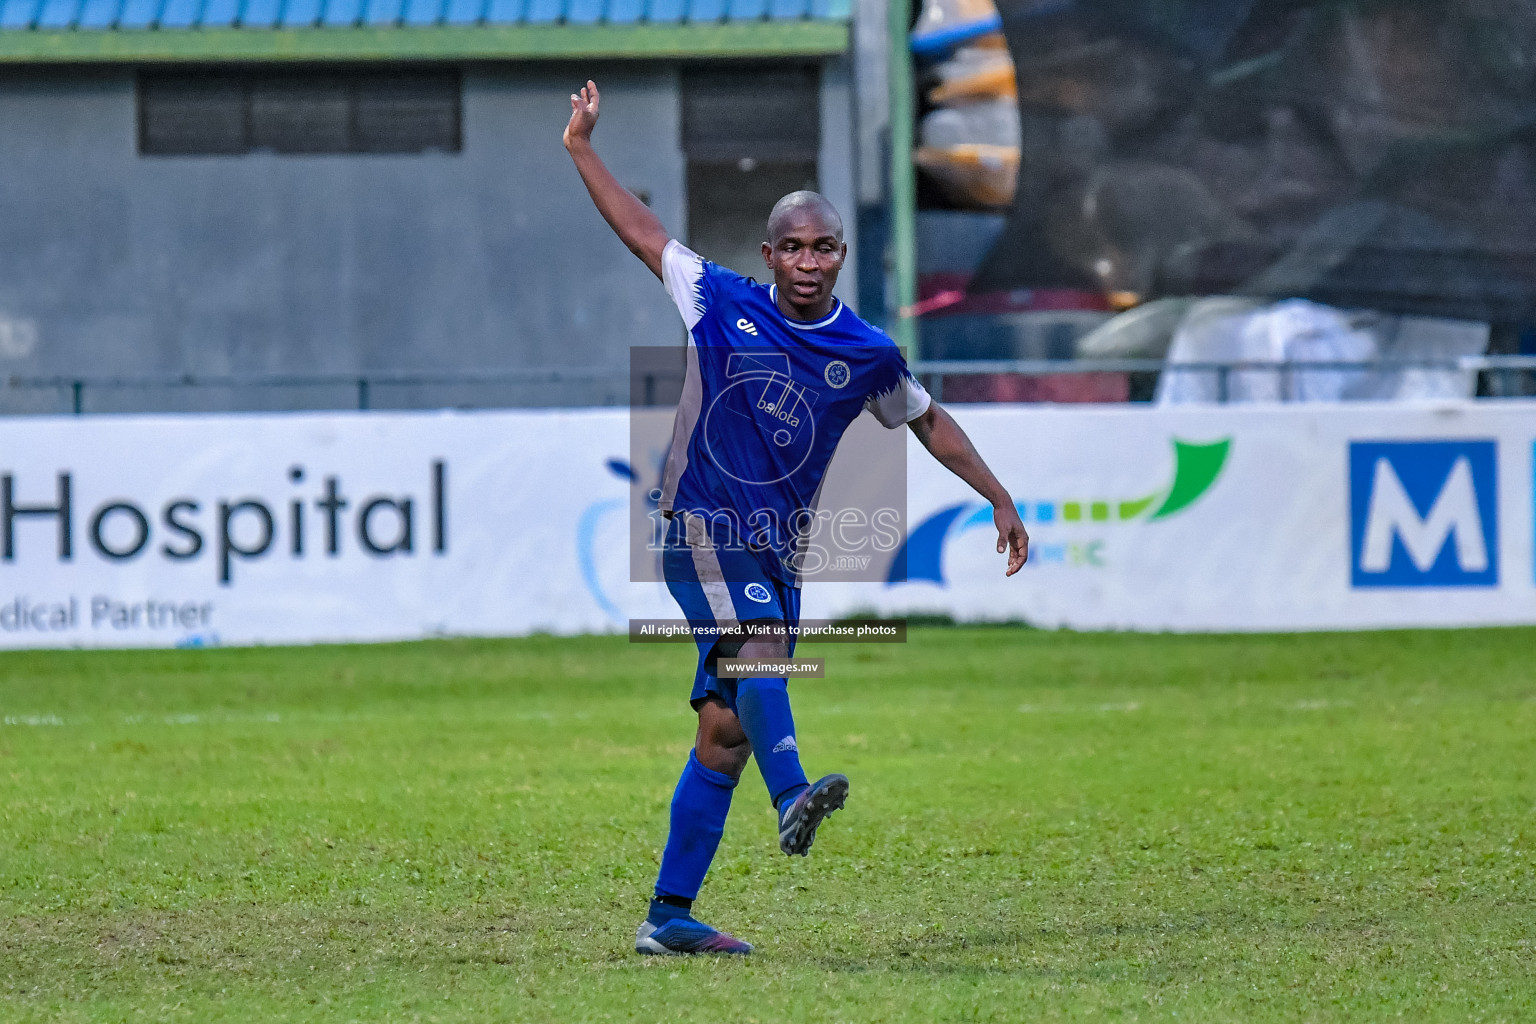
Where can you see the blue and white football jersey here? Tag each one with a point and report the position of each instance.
(765, 402)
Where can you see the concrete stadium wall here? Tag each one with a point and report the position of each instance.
(113, 263)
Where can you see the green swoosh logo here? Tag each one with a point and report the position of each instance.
(1196, 468)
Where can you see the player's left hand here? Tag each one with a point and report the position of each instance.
(1011, 536)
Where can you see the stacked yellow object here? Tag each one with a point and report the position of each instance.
(972, 173)
(970, 144)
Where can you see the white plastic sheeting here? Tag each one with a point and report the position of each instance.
(1294, 333)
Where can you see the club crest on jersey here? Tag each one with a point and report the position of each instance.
(747, 325)
(757, 592)
(837, 373)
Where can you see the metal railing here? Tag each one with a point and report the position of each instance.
(360, 384)
(933, 373)
(937, 369)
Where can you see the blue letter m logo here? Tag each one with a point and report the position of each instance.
(1424, 513)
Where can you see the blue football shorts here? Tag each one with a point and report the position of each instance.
(720, 587)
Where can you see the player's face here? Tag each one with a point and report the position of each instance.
(806, 259)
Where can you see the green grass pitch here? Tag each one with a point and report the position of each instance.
(1042, 826)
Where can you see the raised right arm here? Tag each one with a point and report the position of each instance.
(631, 220)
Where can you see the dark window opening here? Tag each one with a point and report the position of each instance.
(770, 115)
(750, 135)
(229, 113)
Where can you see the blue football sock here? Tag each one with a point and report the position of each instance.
(660, 913)
(699, 806)
(763, 707)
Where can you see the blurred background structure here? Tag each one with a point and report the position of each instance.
(377, 192)
(1282, 183)
(251, 204)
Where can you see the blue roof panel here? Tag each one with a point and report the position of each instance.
(583, 12)
(57, 13)
(179, 13)
(300, 13)
(137, 13)
(343, 12)
(541, 12)
(423, 12)
(463, 12)
(97, 14)
(625, 12)
(216, 13)
(382, 12)
(706, 10)
(259, 14)
(665, 11)
(17, 13)
(504, 12)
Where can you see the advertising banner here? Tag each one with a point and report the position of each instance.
(245, 529)
(298, 528)
(1285, 517)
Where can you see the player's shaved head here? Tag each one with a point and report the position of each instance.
(788, 211)
(805, 252)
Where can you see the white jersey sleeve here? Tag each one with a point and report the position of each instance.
(682, 271)
(901, 404)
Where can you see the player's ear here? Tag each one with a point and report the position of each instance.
(768, 254)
